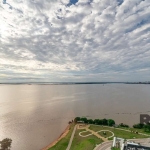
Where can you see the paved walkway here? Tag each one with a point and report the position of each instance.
(104, 146)
(71, 139)
(84, 135)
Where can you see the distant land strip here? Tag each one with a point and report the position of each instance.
(68, 83)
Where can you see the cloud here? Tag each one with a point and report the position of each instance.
(70, 39)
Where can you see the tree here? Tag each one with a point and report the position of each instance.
(105, 121)
(84, 119)
(77, 119)
(123, 125)
(69, 122)
(138, 126)
(90, 121)
(111, 122)
(98, 121)
(147, 127)
(5, 144)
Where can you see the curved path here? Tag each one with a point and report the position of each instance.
(107, 131)
(97, 135)
(97, 132)
(84, 135)
(103, 146)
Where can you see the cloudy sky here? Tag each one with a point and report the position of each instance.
(70, 40)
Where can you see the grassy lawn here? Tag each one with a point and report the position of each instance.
(108, 134)
(117, 132)
(140, 130)
(114, 148)
(88, 143)
(84, 143)
(133, 129)
(85, 133)
(63, 143)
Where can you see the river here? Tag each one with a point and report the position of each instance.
(35, 115)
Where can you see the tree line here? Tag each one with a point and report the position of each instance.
(146, 127)
(107, 122)
(111, 122)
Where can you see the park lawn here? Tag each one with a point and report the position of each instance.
(134, 129)
(139, 130)
(85, 133)
(108, 134)
(114, 148)
(84, 143)
(117, 132)
(63, 143)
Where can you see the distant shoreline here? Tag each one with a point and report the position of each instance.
(71, 83)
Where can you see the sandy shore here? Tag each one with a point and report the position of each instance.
(58, 139)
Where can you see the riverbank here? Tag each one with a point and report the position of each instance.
(64, 133)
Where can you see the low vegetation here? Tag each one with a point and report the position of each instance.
(123, 125)
(105, 134)
(114, 148)
(89, 142)
(117, 132)
(84, 143)
(145, 127)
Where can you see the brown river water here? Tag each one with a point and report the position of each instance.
(35, 115)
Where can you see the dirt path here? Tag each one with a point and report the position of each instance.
(97, 135)
(86, 127)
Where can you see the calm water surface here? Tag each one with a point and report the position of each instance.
(34, 115)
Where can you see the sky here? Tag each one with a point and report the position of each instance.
(74, 40)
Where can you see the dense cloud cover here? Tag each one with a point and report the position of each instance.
(84, 40)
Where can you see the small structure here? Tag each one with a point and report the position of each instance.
(80, 121)
(117, 142)
(115, 125)
(82, 126)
